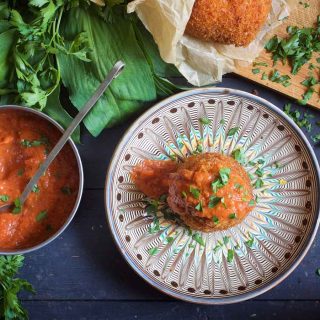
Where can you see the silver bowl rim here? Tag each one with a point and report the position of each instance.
(80, 189)
(210, 301)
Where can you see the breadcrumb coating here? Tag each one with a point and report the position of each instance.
(228, 21)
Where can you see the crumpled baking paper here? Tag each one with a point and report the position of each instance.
(200, 62)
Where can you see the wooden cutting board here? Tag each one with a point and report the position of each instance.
(301, 17)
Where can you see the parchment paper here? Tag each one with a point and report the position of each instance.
(201, 63)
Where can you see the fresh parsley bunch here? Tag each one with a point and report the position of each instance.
(10, 286)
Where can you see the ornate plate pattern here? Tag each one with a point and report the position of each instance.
(238, 263)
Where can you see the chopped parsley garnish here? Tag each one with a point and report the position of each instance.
(222, 121)
(259, 183)
(238, 186)
(306, 96)
(305, 4)
(214, 201)
(215, 219)
(153, 251)
(198, 207)
(251, 203)
(34, 143)
(17, 206)
(155, 226)
(205, 121)
(230, 255)
(226, 240)
(197, 237)
(263, 64)
(255, 70)
(216, 185)
(264, 76)
(41, 215)
(239, 156)
(275, 76)
(20, 172)
(184, 194)
(195, 192)
(223, 203)
(297, 48)
(259, 172)
(316, 138)
(302, 120)
(224, 175)
(249, 242)
(170, 239)
(36, 189)
(4, 198)
(232, 216)
(233, 131)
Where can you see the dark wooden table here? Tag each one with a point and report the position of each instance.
(82, 275)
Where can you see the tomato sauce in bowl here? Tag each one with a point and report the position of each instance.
(25, 141)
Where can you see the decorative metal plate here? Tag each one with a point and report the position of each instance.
(238, 263)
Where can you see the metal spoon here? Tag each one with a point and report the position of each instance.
(116, 70)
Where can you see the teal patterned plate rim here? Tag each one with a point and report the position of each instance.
(224, 266)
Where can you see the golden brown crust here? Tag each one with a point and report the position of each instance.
(228, 21)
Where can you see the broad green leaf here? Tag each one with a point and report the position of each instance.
(55, 110)
(7, 39)
(109, 42)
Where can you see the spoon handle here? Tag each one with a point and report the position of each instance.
(116, 70)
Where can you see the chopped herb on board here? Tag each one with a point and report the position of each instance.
(306, 96)
(255, 70)
(297, 47)
(275, 76)
(4, 198)
(263, 64)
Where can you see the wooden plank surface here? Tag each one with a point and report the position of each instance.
(82, 275)
(301, 17)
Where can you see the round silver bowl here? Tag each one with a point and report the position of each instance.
(80, 188)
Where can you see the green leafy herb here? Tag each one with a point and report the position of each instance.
(239, 156)
(251, 203)
(216, 185)
(198, 207)
(224, 175)
(153, 251)
(17, 206)
(255, 71)
(233, 131)
(305, 4)
(263, 64)
(36, 189)
(11, 286)
(232, 216)
(297, 48)
(197, 237)
(195, 192)
(283, 79)
(41, 215)
(20, 172)
(230, 255)
(302, 120)
(250, 242)
(214, 201)
(306, 96)
(35, 143)
(215, 219)
(223, 203)
(238, 186)
(259, 183)
(226, 240)
(318, 60)
(4, 198)
(205, 121)
(316, 138)
(259, 172)
(184, 194)
(264, 76)
(222, 121)
(170, 239)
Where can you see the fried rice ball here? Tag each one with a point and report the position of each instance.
(228, 21)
